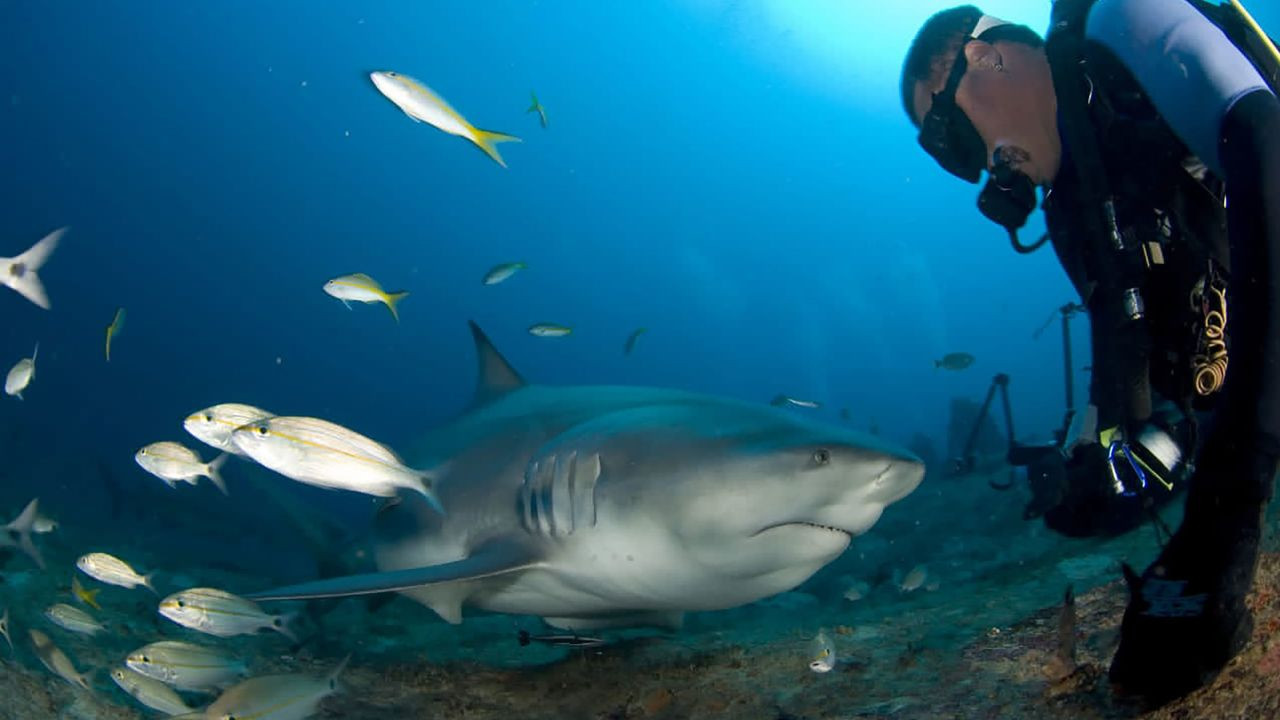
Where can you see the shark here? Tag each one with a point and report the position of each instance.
(609, 506)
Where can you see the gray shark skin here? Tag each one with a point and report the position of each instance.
(605, 506)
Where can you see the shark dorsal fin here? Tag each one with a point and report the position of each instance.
(496, 376)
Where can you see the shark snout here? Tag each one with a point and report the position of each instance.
(898, 478)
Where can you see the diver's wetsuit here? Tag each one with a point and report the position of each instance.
(1187, 616)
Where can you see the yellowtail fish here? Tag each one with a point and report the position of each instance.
(422, 104)
(822, 654)
(173, 462)
(112, 571)
(632, 339)
(359, 287)
(785, 400)
(73, 619)
(954, 361)
(117, 324)
(218, 612)
(19, 273)
(57, 661)
(213, 425)
(87, 597)
(150, 692)
(4, 629)
(498, 273)
(549, 330)
(185, 666)
(321, 453)
(536, 106)
(17, 532)
(21, 374)
(276, 697)
(914, 579)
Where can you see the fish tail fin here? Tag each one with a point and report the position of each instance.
(148, 583)
(332, 680)
(533, 106)
(35, 353)
(91, 598)
(392, 300)
(26, 281)
(213, 470)
(280, 623)
(488, 140)
(22, 525)
(426, 487)
(937, 364)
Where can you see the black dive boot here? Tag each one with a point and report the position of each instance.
(1187, 616)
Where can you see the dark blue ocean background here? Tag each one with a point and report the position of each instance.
(738, 177)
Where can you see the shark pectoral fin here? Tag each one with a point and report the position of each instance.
(665, 619)
(495, 558)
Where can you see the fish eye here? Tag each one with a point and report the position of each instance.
(143, 451)
(390, 74)
(262, 430)
(181, 604)
(821, 457)
(146, 659)
(208, 417)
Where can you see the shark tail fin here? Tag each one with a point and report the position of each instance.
(213, 469)
(487, 140)
(22, 526)
(392, 300)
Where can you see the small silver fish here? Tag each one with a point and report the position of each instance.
(501, 272)
(632, 339)
(173, 462)
(112, 571)
(321, 453)
(57, 661)
(954, 361)
(857, 591)
(21, 375)
(822, 656)
(73, 619)
(276, 697)
(549, 330)
(185, 666)
(913, 580)
(785, 400)
(218, 612)
(150, 692)
(4, 629)
(213, 425)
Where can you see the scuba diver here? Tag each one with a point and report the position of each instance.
(1152, 129)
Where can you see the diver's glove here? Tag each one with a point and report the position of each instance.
(1187, 616)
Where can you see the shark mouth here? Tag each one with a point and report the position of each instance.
(805, 523)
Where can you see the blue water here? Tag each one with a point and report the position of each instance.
(738, 177)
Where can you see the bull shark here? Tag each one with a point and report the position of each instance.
(607, 506)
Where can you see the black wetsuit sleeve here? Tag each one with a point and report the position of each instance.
(1250, 151)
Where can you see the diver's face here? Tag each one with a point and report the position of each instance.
(1007, 93)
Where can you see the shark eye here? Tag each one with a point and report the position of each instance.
(821, 457)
